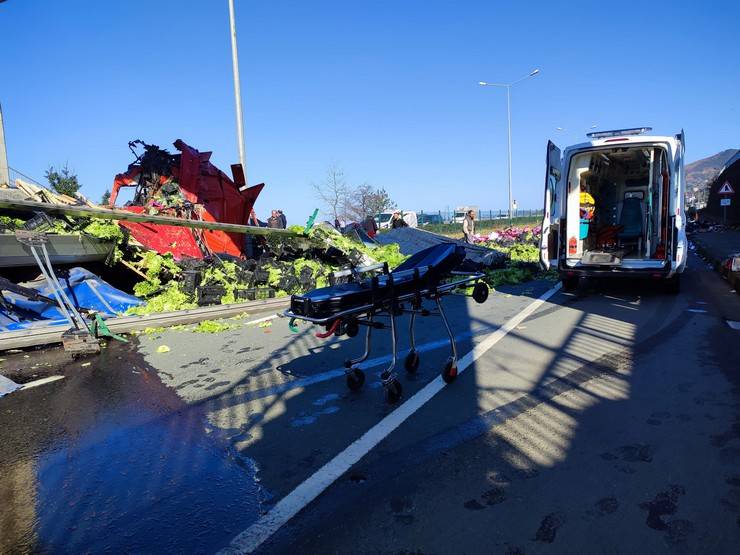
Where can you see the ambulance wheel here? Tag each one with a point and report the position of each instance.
(569, 283)
(355, 379)
(412, 361)
(673, 285)
(480, 292)
(352, 328)
(393, 391)
(449, 373)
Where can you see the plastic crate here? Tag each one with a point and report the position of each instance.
(261, 276)
(244, 276)
(39, 222)
(190, 280)
(210, 294)
(254, 293)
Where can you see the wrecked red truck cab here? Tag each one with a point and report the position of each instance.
(189, 186)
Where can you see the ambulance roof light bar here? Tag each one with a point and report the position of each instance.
(619, 132)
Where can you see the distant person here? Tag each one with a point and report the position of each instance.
(469, 226)
(336, 223)
(274, 220)
(283, 219)
(370, 226)
(398, 221)
(252, 218)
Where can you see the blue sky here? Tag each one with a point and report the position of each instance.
(387, 90)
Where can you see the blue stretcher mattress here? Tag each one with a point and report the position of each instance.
(432, 264)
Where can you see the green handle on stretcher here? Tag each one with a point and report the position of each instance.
(292, 325)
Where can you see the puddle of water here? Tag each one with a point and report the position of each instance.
(112, 461)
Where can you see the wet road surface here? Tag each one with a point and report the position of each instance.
(109, 460)
(603, 423)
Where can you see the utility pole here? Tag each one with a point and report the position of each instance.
(4, 171)
(237, 93)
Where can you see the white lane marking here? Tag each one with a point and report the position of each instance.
(265, 319)
(42, 381)
(733, 324)
(696, 310)
(251, 538)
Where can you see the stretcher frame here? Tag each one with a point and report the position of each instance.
(390, 305)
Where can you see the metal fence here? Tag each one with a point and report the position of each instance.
(486, 215)
(15, 174)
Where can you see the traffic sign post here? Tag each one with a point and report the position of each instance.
(724, 202)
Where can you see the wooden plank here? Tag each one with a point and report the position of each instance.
(20, 339)
(113, 214)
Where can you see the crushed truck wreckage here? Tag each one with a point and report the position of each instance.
(186, 185)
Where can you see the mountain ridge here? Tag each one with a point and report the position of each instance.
(701, 173)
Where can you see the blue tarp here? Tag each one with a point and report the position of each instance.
(84, 289)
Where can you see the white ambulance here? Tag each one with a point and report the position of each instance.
(614, 207)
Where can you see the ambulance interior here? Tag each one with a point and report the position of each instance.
(618, 206)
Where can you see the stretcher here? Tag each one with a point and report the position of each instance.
(364, 296)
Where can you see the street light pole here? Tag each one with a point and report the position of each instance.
(237, 92)
(508, 114)
(508, 111)
(4, 173)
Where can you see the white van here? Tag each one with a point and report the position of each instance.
(461, 212)
(384, 219)
(614, 206)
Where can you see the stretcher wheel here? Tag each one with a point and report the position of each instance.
(355, 379)
(449, 373)
(393, 391)
(412, 361)
(480, 292)
(352, 328)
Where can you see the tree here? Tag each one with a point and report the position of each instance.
(63, 181)
(345, 202)
(367, 200)
(333, 192)
(105, 200)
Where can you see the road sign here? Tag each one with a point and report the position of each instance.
(726, 189)
(724, 202)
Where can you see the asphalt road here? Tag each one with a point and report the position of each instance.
(606, 422)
